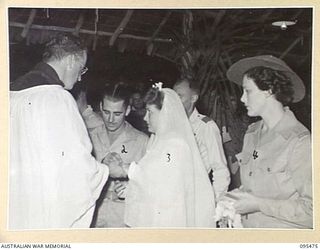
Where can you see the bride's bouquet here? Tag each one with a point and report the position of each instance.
(226, 216)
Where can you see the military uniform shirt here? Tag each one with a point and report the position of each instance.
(209, 141)
(277, 168)
(130, 145)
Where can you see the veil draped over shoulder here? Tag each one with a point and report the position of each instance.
(169, 187)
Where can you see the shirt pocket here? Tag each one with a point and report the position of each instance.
(274, 180)
(243, 158)
(275, 163)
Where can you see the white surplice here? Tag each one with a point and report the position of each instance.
(54, 180)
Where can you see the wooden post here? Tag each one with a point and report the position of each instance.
(150, 49)
(26, 28)
(79, 24)
(95, 41)
(164, 20)
(121, 27)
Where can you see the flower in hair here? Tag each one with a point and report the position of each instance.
(158, 85)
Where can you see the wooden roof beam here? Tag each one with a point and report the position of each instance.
(164, 20)
(26, 28)
(85, 31)
(218, 19)
(266, 15)
(121, 27)
(296, 15)
(78, 25)
(291, 47)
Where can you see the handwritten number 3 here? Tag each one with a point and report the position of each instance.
(169, 159)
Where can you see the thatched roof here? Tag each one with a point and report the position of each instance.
(201, 42)
(241, 31)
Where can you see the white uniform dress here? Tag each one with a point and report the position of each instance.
(54, 180)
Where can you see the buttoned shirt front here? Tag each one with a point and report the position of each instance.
(277, 168)
(209, 141)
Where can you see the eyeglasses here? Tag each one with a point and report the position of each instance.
(83, 71)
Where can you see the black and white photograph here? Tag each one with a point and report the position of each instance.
(160, 118)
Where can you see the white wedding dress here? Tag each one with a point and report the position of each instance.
(169, 187)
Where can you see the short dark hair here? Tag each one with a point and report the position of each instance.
(274, 80)
(193, 85)
(154, 97)
(63, 45)
(116, 92)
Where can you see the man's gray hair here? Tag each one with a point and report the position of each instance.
(63, 45)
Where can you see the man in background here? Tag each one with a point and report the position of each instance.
(207, 135)
(137, 112)
(54, 180)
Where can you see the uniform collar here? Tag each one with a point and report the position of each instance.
(126, 133)
(194, 115)
(127, 127)
(287, 121)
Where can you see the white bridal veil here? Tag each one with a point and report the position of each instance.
(175, 135)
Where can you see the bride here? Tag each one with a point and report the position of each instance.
(169, 186)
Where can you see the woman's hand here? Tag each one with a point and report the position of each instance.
(114, 161)
(245, 202)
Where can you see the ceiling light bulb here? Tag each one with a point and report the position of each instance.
(283, 26)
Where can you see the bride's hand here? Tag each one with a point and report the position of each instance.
(114, 161)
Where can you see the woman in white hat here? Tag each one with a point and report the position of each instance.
(275, 162)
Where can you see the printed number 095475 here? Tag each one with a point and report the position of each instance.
(308, 245)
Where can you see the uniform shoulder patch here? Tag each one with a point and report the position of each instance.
(206, 119)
